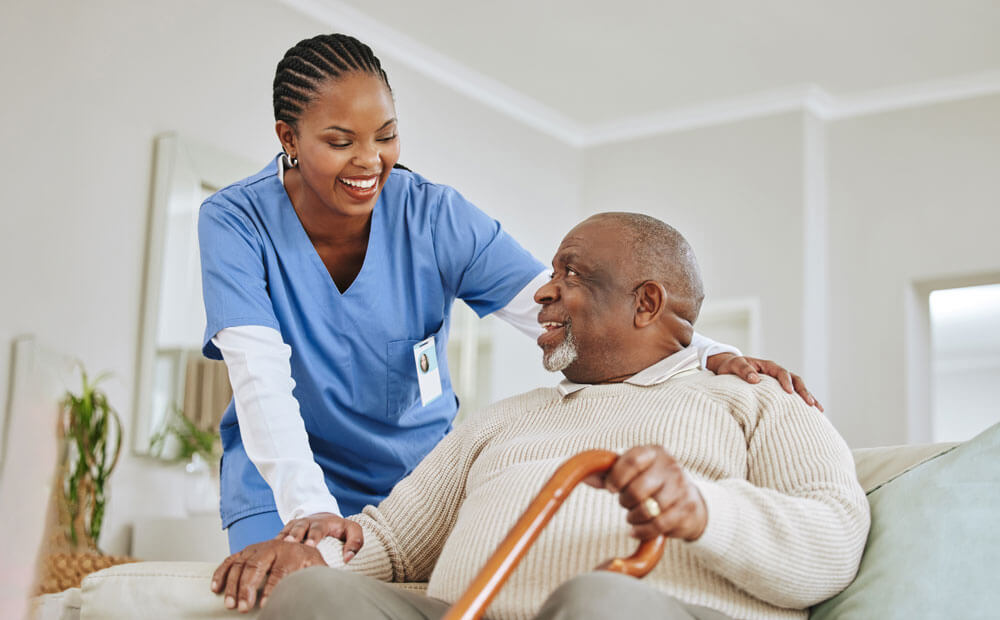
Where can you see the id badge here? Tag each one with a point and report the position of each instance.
(428, 374)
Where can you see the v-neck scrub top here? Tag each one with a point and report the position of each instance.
(351, 353)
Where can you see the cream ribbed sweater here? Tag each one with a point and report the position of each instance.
(787, 520)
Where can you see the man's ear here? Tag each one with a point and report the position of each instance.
(286, 134)
(651, 299)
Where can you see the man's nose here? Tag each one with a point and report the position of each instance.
(547, 294)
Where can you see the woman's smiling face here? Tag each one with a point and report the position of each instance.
(346, 143)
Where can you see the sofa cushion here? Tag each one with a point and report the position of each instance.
(161, 590)
(877, 466)
(154, 590)
(932, 548)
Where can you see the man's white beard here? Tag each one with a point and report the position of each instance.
(563, 355)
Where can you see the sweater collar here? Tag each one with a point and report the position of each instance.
(684, 361)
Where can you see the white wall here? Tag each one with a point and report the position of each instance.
(96, 81)
(914, 196)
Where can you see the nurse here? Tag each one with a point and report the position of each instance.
(329, 278)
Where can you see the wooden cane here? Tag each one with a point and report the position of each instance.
(485, 586)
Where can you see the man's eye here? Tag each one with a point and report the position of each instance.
(571, 272)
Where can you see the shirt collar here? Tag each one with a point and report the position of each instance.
(682, 362)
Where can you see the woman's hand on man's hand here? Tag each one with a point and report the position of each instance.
(747, 368)
(314, 528)
(259, 568)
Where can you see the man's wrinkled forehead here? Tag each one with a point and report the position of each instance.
(598, 239)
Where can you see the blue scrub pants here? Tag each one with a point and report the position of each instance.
(253, 529)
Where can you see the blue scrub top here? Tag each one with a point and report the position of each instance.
(352, 352)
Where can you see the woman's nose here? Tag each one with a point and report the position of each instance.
(368, 158)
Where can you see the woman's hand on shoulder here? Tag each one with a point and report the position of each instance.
(314, 528)
(747, 368)
(259, 568)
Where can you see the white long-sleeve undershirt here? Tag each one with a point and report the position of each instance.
(271, 425)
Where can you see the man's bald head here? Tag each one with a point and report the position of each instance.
(624, 293)
(660, 253)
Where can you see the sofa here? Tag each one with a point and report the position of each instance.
(933, 550)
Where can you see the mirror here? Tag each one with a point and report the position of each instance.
(171, 373)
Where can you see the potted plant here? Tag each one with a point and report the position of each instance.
(91, 437)
(181, 440)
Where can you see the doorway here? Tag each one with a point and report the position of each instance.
(965, 361)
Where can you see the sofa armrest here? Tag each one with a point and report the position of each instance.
(63, 605)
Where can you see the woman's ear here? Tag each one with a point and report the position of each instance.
(651, 299)
(286, 134)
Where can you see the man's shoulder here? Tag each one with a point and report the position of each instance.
(734, 392)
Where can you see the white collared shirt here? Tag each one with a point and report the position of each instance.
(682, 362)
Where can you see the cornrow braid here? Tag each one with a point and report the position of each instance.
(305, 67)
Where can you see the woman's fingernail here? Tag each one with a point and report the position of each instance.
(230, 602)
(754, 376)
(215, 585)
(242, 606)
(310, 543)
(263, 602)
(348, 556)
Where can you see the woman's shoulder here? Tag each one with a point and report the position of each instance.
(426, 200)
(244, 194)
(412, 185)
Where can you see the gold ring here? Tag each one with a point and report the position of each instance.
(652, 507)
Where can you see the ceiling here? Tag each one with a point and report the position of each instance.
(590, 64)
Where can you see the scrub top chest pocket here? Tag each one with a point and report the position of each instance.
(414, 374)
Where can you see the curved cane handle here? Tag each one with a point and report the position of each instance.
(487, 583)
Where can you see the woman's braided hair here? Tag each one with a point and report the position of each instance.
(309, 64)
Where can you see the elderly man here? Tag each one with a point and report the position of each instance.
(756, 492)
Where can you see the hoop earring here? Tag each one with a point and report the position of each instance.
(291, 161)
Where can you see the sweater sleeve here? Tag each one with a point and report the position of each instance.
(792, 533)
(405, 533)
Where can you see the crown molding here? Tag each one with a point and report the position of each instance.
(494, 94)
(914, 95)
(706, 114)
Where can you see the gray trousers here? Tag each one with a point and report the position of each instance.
(322, 592)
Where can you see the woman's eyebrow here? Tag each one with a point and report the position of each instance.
(342, 129)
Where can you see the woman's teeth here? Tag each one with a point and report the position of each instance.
(366, 184)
